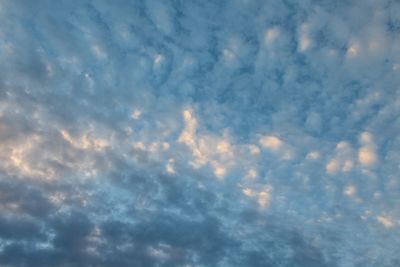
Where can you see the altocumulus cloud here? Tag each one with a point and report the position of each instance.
(199, 133)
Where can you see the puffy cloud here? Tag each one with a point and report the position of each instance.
(386, 221)
(366, 154)
(153, 134)
(271, 142)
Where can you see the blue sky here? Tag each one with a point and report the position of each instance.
(199, 133)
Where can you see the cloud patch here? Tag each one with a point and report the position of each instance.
(199, 133)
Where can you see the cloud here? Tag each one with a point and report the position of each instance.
(386, 221)
(366, 154)
(193, 133)
(271, 142)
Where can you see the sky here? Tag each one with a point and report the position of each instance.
(199, 133)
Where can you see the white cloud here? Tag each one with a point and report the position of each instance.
(386, 221)
(86, 141)
(271, 142)
(333, 166)
(271, 35)
(217, 151)
(350, 191)
(251, 174)
(367, 156)
(305, 41)
(367, 153)
(254, 150)
(136, 114)
(313, 155)
(248, 192)
(343, 159)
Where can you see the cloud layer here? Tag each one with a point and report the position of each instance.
(199, 133)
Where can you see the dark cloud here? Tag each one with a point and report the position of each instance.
(19, 228)
(19, 197)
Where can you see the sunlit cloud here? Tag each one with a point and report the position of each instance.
(271, 142)
(367, 153)
(386, 221)
(199, 133)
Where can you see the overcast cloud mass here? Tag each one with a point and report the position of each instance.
(199, 133)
